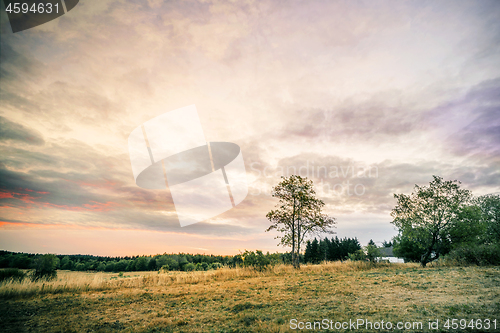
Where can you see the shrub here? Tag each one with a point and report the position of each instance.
(45, 268)
(215, 265)
(256, 260)
(189, 267)
(357, 256)
(373, 253)
(172, 264)
(12, 273)
(481, 255)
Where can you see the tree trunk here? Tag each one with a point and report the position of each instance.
(426, 257)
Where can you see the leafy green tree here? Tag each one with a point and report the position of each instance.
(358, 255)
(90, 265)
(298, 214)
(256, 260)
(79, 266)
(152, 264)
(189, 267)
(21, 261)
(121, 265)
(110, 266)
(490, 215)
(409, 246)
(183, 262)
(172, 264)
(66, 263)
(237, 260)
(5, 260)
(372, 252)
(161, 261)
(45, 267)
(429, 214)
(141, 264)
(215, 265)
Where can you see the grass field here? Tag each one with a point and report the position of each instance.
(243, 300)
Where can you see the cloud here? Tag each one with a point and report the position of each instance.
(408, 89)
(10, 131)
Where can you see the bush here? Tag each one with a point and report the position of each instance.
(172, 264)
(189, 267)
(45, 268)
(481, 255)
(12, 273)
(256, 260)
(357, 256)
(373, 253)
(215, 265)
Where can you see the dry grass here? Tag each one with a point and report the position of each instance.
(243, 300)
(74, 282)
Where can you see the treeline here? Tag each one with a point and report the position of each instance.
(166, 262)
(316, 252)
(330, 250)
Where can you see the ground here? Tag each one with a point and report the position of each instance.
(242, 300)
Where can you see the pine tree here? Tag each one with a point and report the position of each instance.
(308, 253)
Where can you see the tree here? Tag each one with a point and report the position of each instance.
(101, 267)
(308, 253)
(257, 260)
(480, 242)
(21, 261)
(110, 266)
(490, 215)
(189, 267)
(45, 267)
(121, 265)
(298, 214)
(152, 264)
(324, 245)
(66, 263)
(372, 252)
(334, 250)
(141, 264)
(407, 245)
(315, 255)
(428, 215)
(358, 255)
(386, 244)
(183, 262)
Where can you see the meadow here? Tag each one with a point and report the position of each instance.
(246, 300)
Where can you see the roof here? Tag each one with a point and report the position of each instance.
(386, 251)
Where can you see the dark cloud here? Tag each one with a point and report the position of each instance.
(350, 186)
(10, 131)
(352, 121)
(471, 123)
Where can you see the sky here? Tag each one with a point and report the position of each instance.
(365, 98)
